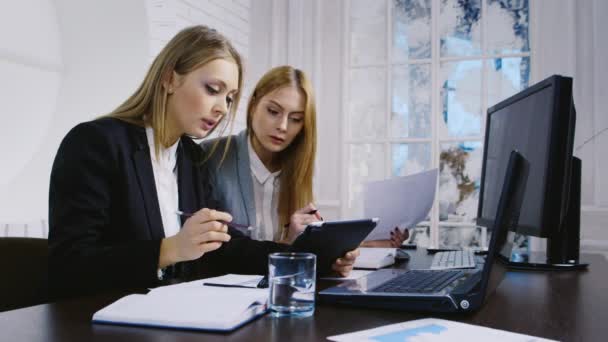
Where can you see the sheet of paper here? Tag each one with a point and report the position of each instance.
(354, 275)
(244, 280)
(432, 330)
(399, 202)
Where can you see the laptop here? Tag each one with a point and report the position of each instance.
(444, 290)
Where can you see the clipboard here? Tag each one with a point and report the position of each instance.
(330, 240)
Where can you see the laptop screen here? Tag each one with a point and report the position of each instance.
(507, 215)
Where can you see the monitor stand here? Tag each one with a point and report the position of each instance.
(563, 246)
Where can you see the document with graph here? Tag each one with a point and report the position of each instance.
(434, 330)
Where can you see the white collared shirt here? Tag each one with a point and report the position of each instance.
(265, 196)
(165, 179)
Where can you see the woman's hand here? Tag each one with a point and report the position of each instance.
(342, 266)
(397, 237)
(202, 232)
(299, 220)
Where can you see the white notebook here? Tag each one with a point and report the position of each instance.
(187, 306)
(374, 258)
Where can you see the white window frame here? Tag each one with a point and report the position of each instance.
(434, 140)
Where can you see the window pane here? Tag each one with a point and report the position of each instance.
(411, 101)
(366, 163)
(460, 27)
(410, 158)
(507, 26)
(461, 99)
(368, 32)
(459, 237)
(506, 77)
(411, 29)
(460, 172)
(367, 103)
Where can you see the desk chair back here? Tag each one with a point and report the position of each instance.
(24, 272)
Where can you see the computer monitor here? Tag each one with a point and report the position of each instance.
(539, 123)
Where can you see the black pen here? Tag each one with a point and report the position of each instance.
(262, 284)
(229, 224)
(312, 212)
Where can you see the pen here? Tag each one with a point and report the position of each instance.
(312, 212)
(263, 284)
(229, 224)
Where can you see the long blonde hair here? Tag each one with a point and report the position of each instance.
(191, 48)
(298, 159)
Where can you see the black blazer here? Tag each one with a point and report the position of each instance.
(105, 226)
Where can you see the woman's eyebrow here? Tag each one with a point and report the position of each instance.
(222, 85)
(219, 82)
(276, 103)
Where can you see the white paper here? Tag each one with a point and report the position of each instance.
(399, 202)
(432, 330)
(375, 257)
(354, 275)
(243, 280)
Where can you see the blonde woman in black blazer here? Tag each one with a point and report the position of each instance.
(106, 217)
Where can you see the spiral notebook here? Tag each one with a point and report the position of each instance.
(190, 306)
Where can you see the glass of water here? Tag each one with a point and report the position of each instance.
(291, 279)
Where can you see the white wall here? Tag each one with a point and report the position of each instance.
(61, 63)
(30, 77)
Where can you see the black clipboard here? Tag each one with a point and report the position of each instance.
(330, 240)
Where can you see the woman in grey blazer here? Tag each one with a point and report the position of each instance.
(252, 169)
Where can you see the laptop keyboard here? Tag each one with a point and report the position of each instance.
(419, 282)
(453, 259)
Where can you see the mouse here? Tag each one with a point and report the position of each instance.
(401, 255)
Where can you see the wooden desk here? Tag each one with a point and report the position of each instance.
(567, 306)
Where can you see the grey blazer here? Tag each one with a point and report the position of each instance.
(233, 183)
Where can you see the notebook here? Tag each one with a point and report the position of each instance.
(187, 306)
(375, 258)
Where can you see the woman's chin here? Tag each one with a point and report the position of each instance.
(198, 134)
(274, 148)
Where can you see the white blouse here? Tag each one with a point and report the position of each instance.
(265, 196)
(165, 179)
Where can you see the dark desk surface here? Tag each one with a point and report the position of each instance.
(566, 306)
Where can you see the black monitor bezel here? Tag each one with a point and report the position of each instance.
(557, 175)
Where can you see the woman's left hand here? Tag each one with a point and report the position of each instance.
(342, 266)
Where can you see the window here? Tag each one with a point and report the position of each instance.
(419, 76)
